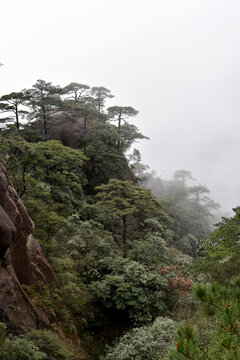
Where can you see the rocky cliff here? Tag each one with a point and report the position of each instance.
(70, 133)
(22, 263)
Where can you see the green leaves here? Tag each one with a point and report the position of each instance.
(222, 306)
(100, 94)
(189, 208)
(223, 250)
(77, 92)
(20, 349)
(123, 207)
(119, 198)
(51, 344)
(14, 105)
(145, 343)
(150, 251)
(131, 287)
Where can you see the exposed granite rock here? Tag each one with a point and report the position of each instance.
(7, 232)
(22, 262)
(70, 133)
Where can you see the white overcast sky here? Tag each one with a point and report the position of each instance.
(176, 61)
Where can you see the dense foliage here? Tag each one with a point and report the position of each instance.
(222, 306)
(127, 260)
(145, 343)
(192, 211)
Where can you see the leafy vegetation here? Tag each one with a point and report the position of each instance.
(145, 343)
(126, 259)
(190, 208)
(222, 342)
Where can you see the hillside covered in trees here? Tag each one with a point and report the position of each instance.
(140, 271)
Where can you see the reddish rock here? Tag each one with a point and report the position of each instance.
(7, 232)
(22, 262)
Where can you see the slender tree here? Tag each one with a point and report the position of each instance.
(75, 110)
(77, 92)
(100, 94)
(199, 193)
(12, 104)
(120, 114)
(183, 175)
(121, 201)
(44, 98)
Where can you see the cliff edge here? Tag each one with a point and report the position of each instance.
(22, 263)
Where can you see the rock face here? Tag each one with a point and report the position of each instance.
(22, 263)
(70, 133)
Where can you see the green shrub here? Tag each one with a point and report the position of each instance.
(145, 343)
(149, 251)
(51, 344)
(142, 294)
(15, 348)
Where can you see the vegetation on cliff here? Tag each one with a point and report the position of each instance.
(126, 260)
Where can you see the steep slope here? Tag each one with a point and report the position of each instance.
(22, 262)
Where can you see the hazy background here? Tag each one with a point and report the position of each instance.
(176, 61)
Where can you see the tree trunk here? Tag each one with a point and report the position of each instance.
(85, 131)
(17, 118)
(119, 128)
(44, 123)
(124, 236)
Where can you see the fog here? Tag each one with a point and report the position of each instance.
(177, 62)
